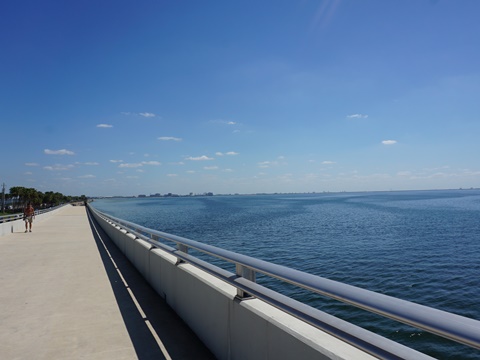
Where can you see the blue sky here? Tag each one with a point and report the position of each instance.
(120, 97)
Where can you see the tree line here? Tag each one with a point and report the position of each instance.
(20, 196)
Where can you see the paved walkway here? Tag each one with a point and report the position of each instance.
(66, 292)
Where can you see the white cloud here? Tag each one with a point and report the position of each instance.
(199, 158)
(357, 116)
(144, 114)
(28, 173)
(58, 152)
(224, 122)
(130, 165)
(104, 126)
(266, 164)
(58, 167)
(230, 153)
(172, 175)
(147, 114)
(31, 164)
(89, 176)
(327, 162)
(211, 167)
(87, 163)
(116, 161)
(389, 142)
(169, 138)
(137, 165)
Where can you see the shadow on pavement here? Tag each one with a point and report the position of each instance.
(177, 338)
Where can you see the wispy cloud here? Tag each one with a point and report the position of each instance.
(130, 165)
(140, 164)
(116, 161)
(199, 158)
(87, 163)
(389, 142)
(357, 116)
(147, 114)
(144, 114)
(58, 152)
(211, 167)
(169, 138)
(172, 175)
(223, 122)
(58, 167)
(89, 176)
(31, 164)
(328, 162)
(267, 164)
(230, 153)
(104, 126)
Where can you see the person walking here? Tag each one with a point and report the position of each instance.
(28, 215)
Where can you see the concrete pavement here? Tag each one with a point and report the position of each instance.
(66, 292)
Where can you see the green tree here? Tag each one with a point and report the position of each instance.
(17, 193)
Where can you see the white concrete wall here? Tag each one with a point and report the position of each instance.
(232, 329)
(19, 225)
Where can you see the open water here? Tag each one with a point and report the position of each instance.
(420, 246)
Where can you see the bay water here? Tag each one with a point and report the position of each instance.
(420, 246)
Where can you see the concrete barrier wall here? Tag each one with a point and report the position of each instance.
(229, 327)
(19, 225)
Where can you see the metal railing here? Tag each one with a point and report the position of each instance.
(19, 216)
(451, 326)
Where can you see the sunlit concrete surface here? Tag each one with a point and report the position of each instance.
(67, 293)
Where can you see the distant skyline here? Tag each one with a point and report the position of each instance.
(124, 98)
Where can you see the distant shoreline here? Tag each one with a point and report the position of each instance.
(269, 194)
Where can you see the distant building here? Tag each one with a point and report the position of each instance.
(142, 196)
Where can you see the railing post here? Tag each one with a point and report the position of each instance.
(246, 273)
(182, 248)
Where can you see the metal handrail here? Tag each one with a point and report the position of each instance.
(451, 326)
(19, 216)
